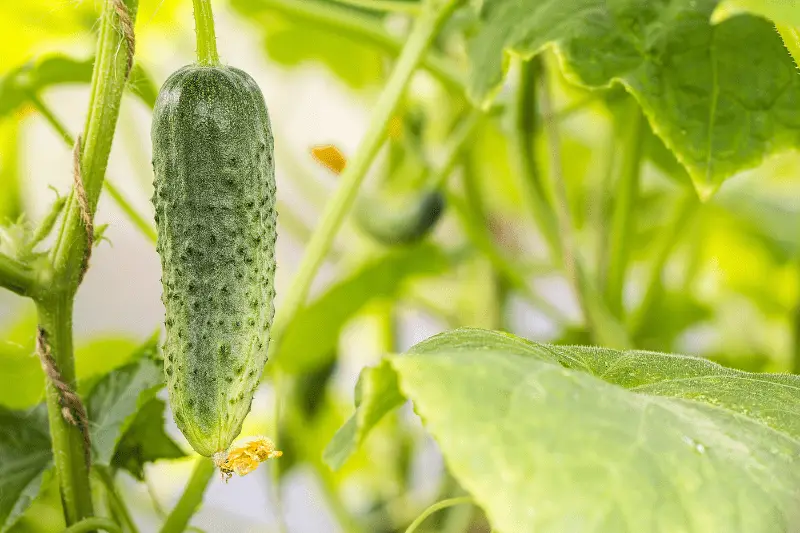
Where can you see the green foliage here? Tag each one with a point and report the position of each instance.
(145, 441)
(323, 319)
(685, 72)
(650, 438)
(113, 403)
(17, 86)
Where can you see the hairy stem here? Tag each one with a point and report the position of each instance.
(108, 83)
(191, 498)
(623, 217)
(444, 504)
(364, 30)
(145, 227)
(206, 38)
(54, 305)
(525, 124)
(425, 28)
(55, 318)
(17, 276)
(600, 322)
(93, 524)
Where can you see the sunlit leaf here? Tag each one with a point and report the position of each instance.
(553, 438)
(685, 72)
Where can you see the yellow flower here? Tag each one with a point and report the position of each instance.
(245, 456)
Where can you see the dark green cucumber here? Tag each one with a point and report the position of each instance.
(215, 214)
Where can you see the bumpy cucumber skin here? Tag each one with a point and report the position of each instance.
(215, 214)
(400, 219)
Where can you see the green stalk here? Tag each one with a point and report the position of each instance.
(191, 498)
(55, 318)
(108, 83)
(92, 524)
(683, 213)
(47, 224)
(364, 30)
(118, 504)
(603, 326)
(206, 38)
(525, 124)
(623, 217)
(145, 227)
(444, 504)
(388, 6)
(55, 305)
(16, 276)
(425, 29)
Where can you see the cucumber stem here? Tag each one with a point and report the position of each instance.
(92, 524)
(600, 322)
(204, 29)
(444, 504)
(191, 498)
(623, 218)
(426, 26)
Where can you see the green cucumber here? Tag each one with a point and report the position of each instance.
(215, 215)
(399, 218)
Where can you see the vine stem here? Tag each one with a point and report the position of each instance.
(389, 6)
(684, 212)
(16, 276)
(425, 28)
(603, 326)
(191, 498)
(55, 300)
(204, 29)
(444, 504)
(144, 227)
(525, 124)
(106, 478)
(92, 524)
(365, 30)
(622, 221)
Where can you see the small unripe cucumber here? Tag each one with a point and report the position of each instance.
(400, 217)
(215, 215)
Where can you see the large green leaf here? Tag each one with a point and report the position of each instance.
(146, 441)
(686, 73)
(115, 400)
(55, 69)
(564, 438)
(25, 457)
(113, 404)
(310, 341)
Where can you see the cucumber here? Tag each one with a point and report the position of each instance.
(399, 217)
(214, 201)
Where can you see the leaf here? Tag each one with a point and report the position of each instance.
(55, 69)
(547, 438)
(145, 441)
(114, 402)
(685, 72)
(25, 457)
(293, 38)
(778, 11)
(311, 338)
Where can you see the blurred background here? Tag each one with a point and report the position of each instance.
(717, 279)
